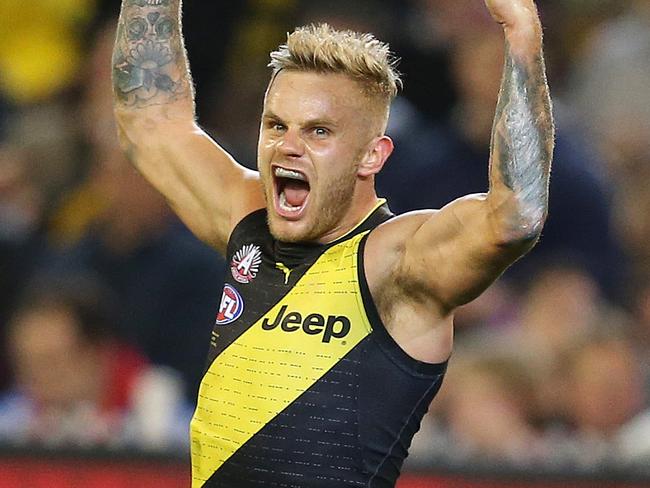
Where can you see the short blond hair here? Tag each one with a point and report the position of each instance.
(323, 49)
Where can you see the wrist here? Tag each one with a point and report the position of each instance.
(524, 33)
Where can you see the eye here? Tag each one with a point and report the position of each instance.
(275, 126)
(321, 132)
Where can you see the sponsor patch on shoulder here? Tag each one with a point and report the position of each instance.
(246, 263)
(231, 306)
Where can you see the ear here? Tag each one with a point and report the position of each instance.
(378, 152)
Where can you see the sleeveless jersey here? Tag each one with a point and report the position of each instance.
(305, 388)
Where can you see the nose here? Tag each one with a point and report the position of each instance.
(291, 144)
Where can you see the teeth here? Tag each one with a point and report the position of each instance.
(285, 205)
(287, 173)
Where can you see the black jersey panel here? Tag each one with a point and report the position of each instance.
(392, 403)
(313, 443)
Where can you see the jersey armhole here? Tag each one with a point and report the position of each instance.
(380, 334)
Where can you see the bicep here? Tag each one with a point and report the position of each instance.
(458, 251)
(204, 185)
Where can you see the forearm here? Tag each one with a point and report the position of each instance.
(154, 108)
(523, 134)
(150, 67)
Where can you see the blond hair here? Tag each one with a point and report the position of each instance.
(323, 49)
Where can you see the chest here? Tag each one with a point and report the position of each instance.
(315, 304)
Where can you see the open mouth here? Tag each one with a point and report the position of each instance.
(291, 190)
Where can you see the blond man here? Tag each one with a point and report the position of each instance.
(335, 322)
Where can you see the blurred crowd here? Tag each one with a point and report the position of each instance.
(107, 301)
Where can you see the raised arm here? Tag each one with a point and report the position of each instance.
(154, 108)
(455, 253)
(523, 132)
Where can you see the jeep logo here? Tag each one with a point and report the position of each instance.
(313, 324)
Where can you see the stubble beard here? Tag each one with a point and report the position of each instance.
(326, 210)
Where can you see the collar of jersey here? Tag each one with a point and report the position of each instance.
(295, 253)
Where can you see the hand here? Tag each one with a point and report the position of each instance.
(513, 13)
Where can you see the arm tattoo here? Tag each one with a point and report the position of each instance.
(523, 139)
(149, 60)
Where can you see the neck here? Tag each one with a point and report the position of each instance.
(364, 202)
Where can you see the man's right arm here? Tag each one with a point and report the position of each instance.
(154, 108)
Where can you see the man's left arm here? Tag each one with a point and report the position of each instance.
(458, 251)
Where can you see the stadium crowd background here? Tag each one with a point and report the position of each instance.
(107, 301)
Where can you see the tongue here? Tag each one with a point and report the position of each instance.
(296, 192)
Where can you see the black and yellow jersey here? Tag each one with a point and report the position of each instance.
(305, 388)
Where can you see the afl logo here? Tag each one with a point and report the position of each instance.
(246, 263)
(231, 307)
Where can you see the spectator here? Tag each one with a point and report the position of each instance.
(165, 280)
(76, 385)
(616, 72)
(489, 410)
(23, 201)
(115, 225)
(607, 402)
(560, 309)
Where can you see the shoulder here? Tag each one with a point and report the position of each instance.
(393, 234)
(387, 243)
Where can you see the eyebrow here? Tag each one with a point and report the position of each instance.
(269, 115)
(325, 122)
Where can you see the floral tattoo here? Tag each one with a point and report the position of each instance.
(149, 59)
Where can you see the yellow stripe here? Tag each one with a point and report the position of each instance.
(264, 371)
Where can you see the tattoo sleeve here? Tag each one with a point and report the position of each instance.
(149, 61)
(522, 141)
